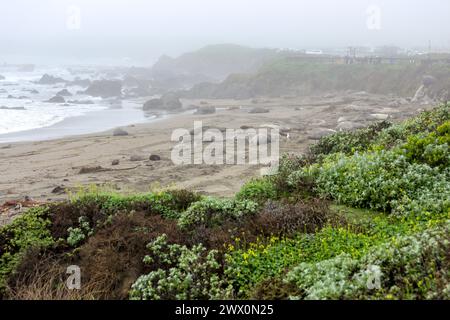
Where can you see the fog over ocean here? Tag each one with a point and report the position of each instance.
(25, 106)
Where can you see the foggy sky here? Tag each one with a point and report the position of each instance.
(141, 30)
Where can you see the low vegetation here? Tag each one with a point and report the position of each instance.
(363, 215)
(302, 76)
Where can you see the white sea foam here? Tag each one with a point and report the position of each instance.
(38, 113)
(39, 116)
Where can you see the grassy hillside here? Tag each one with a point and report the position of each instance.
(214, 62)
(363, 215)
(292, 75)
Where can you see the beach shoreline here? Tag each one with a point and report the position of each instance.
(126, 113)
(49, 170)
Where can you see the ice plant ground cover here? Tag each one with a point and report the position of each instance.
(363, 215)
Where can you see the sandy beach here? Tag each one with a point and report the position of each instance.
(48, 170)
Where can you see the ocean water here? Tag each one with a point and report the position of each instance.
(37, 113)
(28, 112)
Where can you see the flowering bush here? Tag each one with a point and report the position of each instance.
(212, 211)
(408, 267)
(248, 264)
(381, 180)
(76, 235)
(183, 274)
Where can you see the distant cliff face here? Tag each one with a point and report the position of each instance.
(287, 76)
(210, 64)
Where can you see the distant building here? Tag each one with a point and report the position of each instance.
(314, 52)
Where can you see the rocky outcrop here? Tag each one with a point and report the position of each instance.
(119, 132)
(105, 88)
(80, 102)
(137, 87)
(172, 101)
(56, 99)
(49, 79)
(64, 93)
(12, 108)
(153, 104)
(167, 102)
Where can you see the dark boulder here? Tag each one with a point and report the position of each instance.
(81, 101)
(58, 190)
(56, 99)
(48, 79)
(155, 157)
(119, 132)
(12, 108)
(64, 93)
(168, 102)
(153, 104)
(171, 101)
(259, 110)
(206, 110)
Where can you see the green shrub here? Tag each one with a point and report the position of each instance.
(29, 230)
(248, 264)
(409, 267)
(288, 164)
(183, 273)
(76, 235)
(431, 148)
(167, 203)
(426, 121)
(376, 180)
(348, 142)
(211, 212)
(257, 190)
